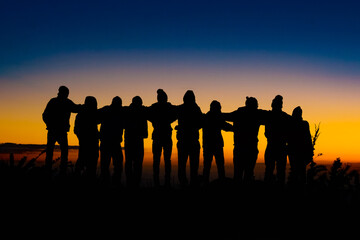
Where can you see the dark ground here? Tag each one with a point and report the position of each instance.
(70, 207)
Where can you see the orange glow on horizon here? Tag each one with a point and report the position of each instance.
(322, 98)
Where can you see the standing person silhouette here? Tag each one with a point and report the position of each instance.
(111, 136)
(213, 142)
(56, 117)
(247, 121)
(276, 132)
(300, 148)
(136, 129)
(189, 117)
(161, 114)
(86, 130)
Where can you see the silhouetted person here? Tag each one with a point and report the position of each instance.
(86, 130)
(213, 142)
(189, 123)
(300, 148)
(161, 114)
(111, 136)
(276, 132)
(247, 121)
(136, 130)
(56, 117)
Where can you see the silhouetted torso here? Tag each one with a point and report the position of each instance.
(213, 123)
(299, 139)
(57, 114)
(161, 115)
(111, 136)
(300, 149)
(189, 122)
(276, 127)
(112, 124)
(246, 126)
(56, 117)
(213, 143)
(86, 129)
(189, 117)
(276, 132)
(135, 123)
(136, 130)
(86, 125)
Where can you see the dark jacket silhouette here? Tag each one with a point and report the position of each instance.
(213, 143)
(276, 132)
(300, 148)
(247, 121)
(86, 129)
(189, 117)
(162, 114)
(56, 117)
(136, 130)
(111, 135)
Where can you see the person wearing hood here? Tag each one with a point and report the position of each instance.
(213, 142)
(300, 148)
(162, 114)
(56, 117)
(86, 129)
(276, 132)
(136, 130)
(111, 136)
(189, 117)
(246, 123)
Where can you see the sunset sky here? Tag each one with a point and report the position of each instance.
(306, 51)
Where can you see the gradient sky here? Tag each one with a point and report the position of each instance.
(307, 51)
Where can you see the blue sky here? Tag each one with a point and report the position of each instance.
(32, 31)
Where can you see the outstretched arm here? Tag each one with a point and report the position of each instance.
(75, 108)
(227, 127)
(229, 116)
(263, 116)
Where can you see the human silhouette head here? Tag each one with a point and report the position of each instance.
(63, 92)
(90, 103)
(161, 96)
(189, 97)
(116, 102)
(136, 101)
(297, 113)
(215, 106)
(251, 103)
(277, 103)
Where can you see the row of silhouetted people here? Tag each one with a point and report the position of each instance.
(286, 136)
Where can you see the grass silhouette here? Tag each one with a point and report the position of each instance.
(220, 210)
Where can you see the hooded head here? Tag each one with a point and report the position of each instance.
(251, 103)
(215, 106)
(90, 103)
(116, 102)
(297, 113)
(136, 101)
(161, 96)
(63, 92)
(189, 97)
(277, 103)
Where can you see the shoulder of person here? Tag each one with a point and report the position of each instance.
(104, 109)
(286, 115)
(306, 123)
(154, 105)
(53, 101)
